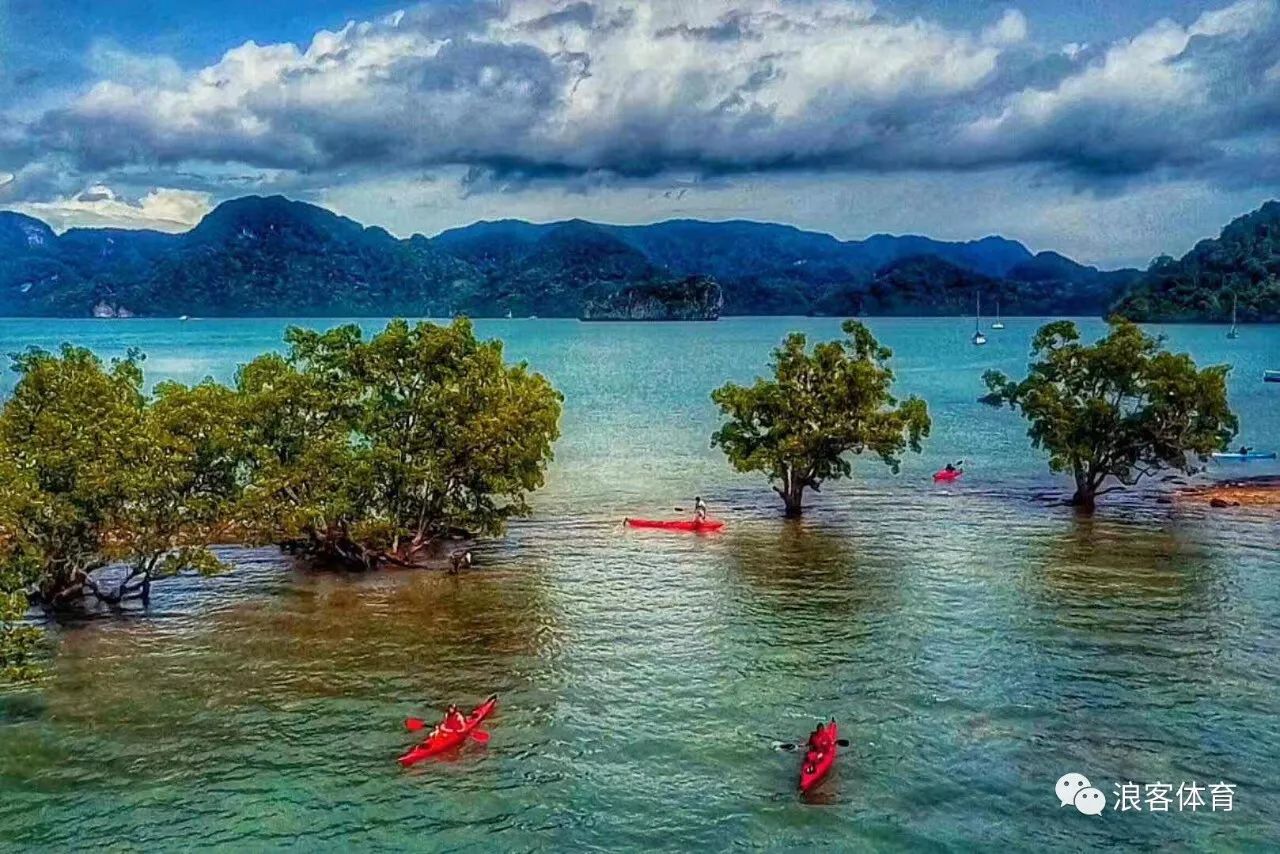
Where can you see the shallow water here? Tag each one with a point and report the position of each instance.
(976, 641)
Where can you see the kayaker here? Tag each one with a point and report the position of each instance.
(1244, 451)
(950, 468)
(454, 720)
(699, 509)
(819, 742)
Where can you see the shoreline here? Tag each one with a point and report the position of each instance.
(1258, 491)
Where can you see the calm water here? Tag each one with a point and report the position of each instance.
(975, 641)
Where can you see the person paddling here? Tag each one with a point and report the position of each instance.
(454, 721)
(699, 509)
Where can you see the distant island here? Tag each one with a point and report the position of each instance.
(271, 256)
(693, 298)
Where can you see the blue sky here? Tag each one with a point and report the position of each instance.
(1111, 131)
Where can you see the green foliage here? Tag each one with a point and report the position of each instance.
(101, 474)
(364, 450)
(370, 451)
(70, 430)
(799, 427)
(1121, 409)
(18, 640)
(1242, 263)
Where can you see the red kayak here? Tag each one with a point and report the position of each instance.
(677, 524)
(814, 767)
(440, 742)
(947, 476)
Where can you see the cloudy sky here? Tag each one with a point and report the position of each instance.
(1111, 131)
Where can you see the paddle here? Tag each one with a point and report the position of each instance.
(416, 724)
(788, 746)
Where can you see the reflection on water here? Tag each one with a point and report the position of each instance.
(974, 642)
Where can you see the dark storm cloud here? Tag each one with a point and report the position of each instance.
(547, 90)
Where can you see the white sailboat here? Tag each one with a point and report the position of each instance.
(999, 324)
(1234, 332)
(978, 338)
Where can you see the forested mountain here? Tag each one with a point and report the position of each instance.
(273, 256)
(740, 250)
(1242, 262)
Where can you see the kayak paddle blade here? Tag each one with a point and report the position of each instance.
(481, 736)
(414, 724)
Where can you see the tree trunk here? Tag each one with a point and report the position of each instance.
(792, 492)
(1086, 492)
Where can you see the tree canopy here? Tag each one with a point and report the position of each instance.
(101, 473)
(821, 406)
(18, 572)
(1121, 409)
(370, 451)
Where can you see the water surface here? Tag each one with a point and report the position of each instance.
(976, 641)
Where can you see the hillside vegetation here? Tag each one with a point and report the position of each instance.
(271, 256)
(1243, 263)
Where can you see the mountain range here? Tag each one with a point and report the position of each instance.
(257, 256)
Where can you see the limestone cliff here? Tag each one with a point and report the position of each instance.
(692, 298)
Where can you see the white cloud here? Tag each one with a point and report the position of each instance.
(1010, 29)
(552, 108)
(161, 209)
(1171, 95)
(630, 88)
(556, 87)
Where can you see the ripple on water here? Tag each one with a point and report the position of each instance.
(975, 641)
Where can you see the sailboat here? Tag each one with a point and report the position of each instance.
(1235, 330)
(978, 338)
(999, 324)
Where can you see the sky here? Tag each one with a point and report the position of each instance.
(1109, 131)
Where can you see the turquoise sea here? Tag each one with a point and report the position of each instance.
(976, 641)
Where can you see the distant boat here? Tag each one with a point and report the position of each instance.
(1245, 456)
(978, 338)
(1235, 330)
(184, 318)
(508, 314)
(999, 324)
(1271, 376)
